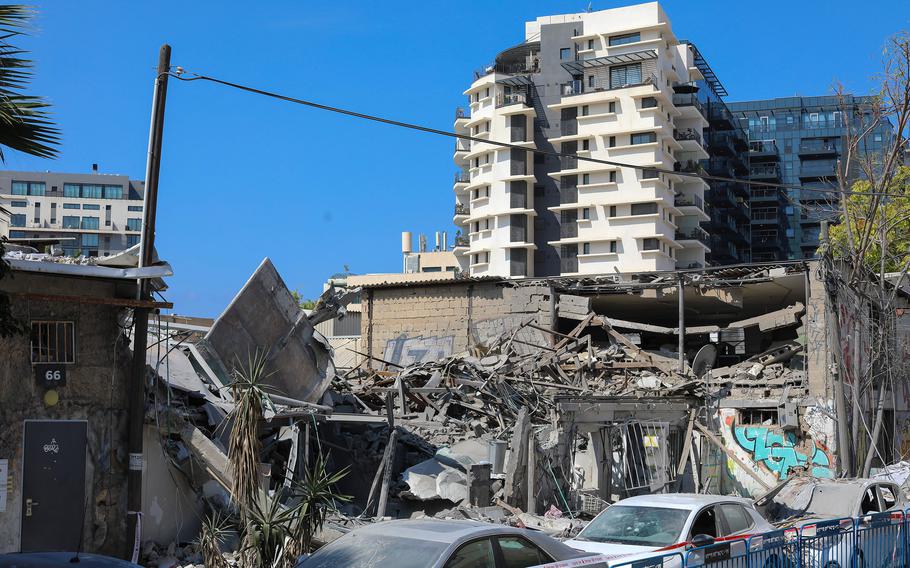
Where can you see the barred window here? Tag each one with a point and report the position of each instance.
(53, 342)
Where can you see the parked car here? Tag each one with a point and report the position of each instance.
(823, 509)
(431, 543)
(667, 522)
(60, 560)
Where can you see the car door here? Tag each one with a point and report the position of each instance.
(734, 519)
(474, 554)
(514, 551)
(705, 523)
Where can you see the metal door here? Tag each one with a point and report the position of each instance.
(53, 485)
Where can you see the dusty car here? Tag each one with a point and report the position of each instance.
(61, 559)
(432, 543)
(824, 510)
(649, 523)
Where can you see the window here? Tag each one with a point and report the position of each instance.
(591, 81)
(612, 141)
(53, 342)
(132, 240)
(648, 102)
(53, 212)
(586, 248)
(643, 138)
(649, 173)
(611, 106)
(650, 244)
(565, 54)
(19, 188)
(91, 206)
(625, 38)
(113, 192)
(637, 526)
(477, 554)
(71, 190)
(37, 212)
(621, 75)
(586, 213)
(585, 110)
(71, 206)
(17, 220)
(737, 518)
(18, 203)
(70, 222)
(486, 93)
(644, 208)
(90, 222)
(89, 240)
(28, 188)
(134, 208)
(519, 553)
(92, 191)
(586, 144)
(613, 246)
(612, 211)
(585, 179)
(613, 177)
(590, 44)
(888, 498)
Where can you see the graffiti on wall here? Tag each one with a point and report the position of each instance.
(404, 350)
(778, 451)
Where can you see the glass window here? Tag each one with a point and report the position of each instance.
(637, 526)
(649, 173)
(644, 208)
(71, 206)
(477, 554)
(888, 498)
(591, 81)
(134, 208)
(113, 192)
(519, 553)
(585, 179)
(132, 240)
(612, 141)
(590, 44)
(70, 222)
(71, 190)
(18, 203)
(650, 244)
(621, 75)
(91, 206)
(92, 191)
(36, 188)
(90, 222)
(613, 176)
(586, 213)
(644, 138)
(738, 519)
(565, 53)
(612, 246)
(20, 188)
(625, 38)
(611, 106)
(89, 240)
(586, 248)
(648, 102)
(134, 224)
(17, 220)
(612, 211)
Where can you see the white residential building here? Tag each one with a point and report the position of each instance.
(614, 85)
(92, 214)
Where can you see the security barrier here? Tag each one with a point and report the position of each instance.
(877, 540)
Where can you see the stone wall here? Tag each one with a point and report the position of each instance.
(95, 391)
(409, 323)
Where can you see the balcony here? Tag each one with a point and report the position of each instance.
(766, 239)
(462, 177)
(766, 194)
(460, 113)
(462, 145)
(817, 148)
(694, 234)
(818, 169)
(723, 249)
(721, 167)
(720, 115)
(765, 171)
(568, 196)
(688, 162)
(568, 230)
(462, 241)
(689, 201)
(763, 150)
(765, 216)
(819, 195)
(568, 265)
(503, 99)
(689, 100)
(462, 209)
(721, 195)
(687, 135)
(578, 88)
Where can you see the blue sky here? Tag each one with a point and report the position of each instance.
(245, 177)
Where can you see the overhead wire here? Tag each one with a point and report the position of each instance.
(180, 74)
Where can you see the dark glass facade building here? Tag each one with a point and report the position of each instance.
(799, 141)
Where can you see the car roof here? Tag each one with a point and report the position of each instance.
(443, 531)
(679, 500)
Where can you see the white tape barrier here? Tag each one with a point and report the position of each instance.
(586, 561)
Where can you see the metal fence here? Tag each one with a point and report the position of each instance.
(877, 540)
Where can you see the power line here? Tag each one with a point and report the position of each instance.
(707, 177)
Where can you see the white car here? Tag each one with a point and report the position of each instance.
(668, 522)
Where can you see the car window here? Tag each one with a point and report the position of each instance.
(736, 517)
(356, 549)
(519, 553)
(477, 554)
(705, 523)
(870, 501)
(888, 498)
(638, 526)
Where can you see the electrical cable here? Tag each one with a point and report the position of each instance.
(179, 75)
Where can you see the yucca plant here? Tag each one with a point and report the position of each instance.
(213, 533)
(250, 401)
(317, 498)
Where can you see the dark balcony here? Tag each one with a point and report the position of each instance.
(763, 151)
(568, 230)
(462, 241)
(688, 162)
(766, 194)
(568, 265)
(815, 215)
(568, 196)
(721, 143)
(462, 177)
(688, 134)
(765, 216)
(764, 171)
(723, 249)
(720, 167)
(818, 169)
(460, 113)
(462, 209)
(689, 201)
(807, 195)
(817, 148)
(462, 145)
(720, 195)
(689, 99)
(720, 115)
(576, 87)
(694, 234)
(503, 99)
(766, 239)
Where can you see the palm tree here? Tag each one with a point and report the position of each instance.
(24, 121)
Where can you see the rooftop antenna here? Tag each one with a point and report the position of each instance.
(590, 7)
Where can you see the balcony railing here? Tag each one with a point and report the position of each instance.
(568, 230)
(687, 134)
(688, 162)
(817, 147)
(764, 171)
(817, 169)
(578, 88)
(693, 234)
(568, 264)
(462, 177)
(762, 147)
(462, 241)
(462, 145)
(689, 201)
(766, 194)
(462, 209)
(459, 113)
(689, 99)
(503, 99)
(765, 215)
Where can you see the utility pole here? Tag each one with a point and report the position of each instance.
(136, 390)
(682, 325)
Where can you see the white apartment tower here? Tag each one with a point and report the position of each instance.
(615, 85)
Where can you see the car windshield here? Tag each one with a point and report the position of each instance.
(640, 526)
(374, 551)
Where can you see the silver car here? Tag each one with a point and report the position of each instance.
(432, 543)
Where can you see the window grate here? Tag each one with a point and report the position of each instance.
(53, 342)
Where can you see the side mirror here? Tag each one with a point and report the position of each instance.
(700, 540)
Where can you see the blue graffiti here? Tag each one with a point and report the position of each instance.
(777, 451)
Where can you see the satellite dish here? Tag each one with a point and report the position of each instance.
(704, 360)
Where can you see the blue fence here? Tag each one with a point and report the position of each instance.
(877, 540)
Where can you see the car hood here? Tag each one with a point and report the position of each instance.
(609, 548)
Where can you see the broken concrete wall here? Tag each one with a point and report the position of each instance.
(430, 321)
(264, 317)
(171, 510)
(95, 391)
